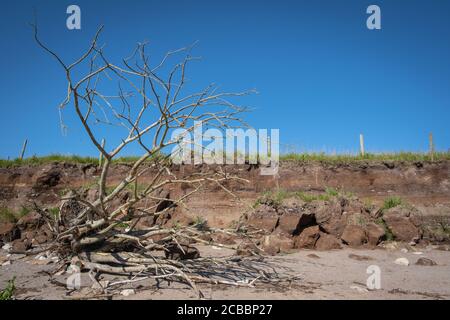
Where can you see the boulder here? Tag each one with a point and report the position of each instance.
(354, 235)
(8, 232)
(292, 223)
(329, 217)
(375, 233)
(264, 218)
(402, 224)
(327, 242)
(307, 238)
(273, 244)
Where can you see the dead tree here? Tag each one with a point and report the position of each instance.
(148, 103)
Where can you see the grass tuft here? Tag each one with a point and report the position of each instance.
(392, 202)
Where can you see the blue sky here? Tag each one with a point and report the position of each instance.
(322, 76)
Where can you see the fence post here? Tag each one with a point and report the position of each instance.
(431, 146)
(24, 146)
(361, 144)
(100, 157)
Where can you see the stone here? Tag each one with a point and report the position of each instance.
(307, 238)
(358, 257)
(375, 233)
(174, 252)
(223, 238)
(329, 216)
(20, 246)
(8, 232)
(30, 221)
(327, 242)
(288, 223)
(354, 235)
(247, 248)
(273, 244)
(402, 262)
(400, 222)
(127, 292)
(264, 218)
(425, 262)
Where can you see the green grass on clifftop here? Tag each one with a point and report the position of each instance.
(300, 157)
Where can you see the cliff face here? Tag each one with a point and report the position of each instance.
(422, 184)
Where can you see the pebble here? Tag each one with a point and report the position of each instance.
(127, 292)
(402, 262)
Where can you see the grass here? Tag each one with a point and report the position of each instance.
(300, 157)
(392, 202)
(8, 292)
(36, 161)
(8, 215)
(388, 233)
(276, 197)
(348, 158)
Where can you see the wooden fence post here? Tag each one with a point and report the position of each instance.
(361, 144)
(24, 146)
(431, 146)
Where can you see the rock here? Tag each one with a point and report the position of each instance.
(264, 218)
(7, 247)
(41, 238)
(6, 263)
(32, 220)
(329, 216)
(273, 244)
(359, 289)
(175, 218)
(327, 242)
(425, 262)
(46, 179)
(223, 238)
(163, 204)
(174, 252)
(354, 236)
(291, 223)
(20, 246)
(8, 232)
(127, 292)
(402, 224)
(246, 249)
(402, 262)
(375, 233)
(288, 223)
(313, 256)
(358, 257)
(307, 238)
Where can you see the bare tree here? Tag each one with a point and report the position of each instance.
(149, 102)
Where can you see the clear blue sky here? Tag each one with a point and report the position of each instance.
(323, 77)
